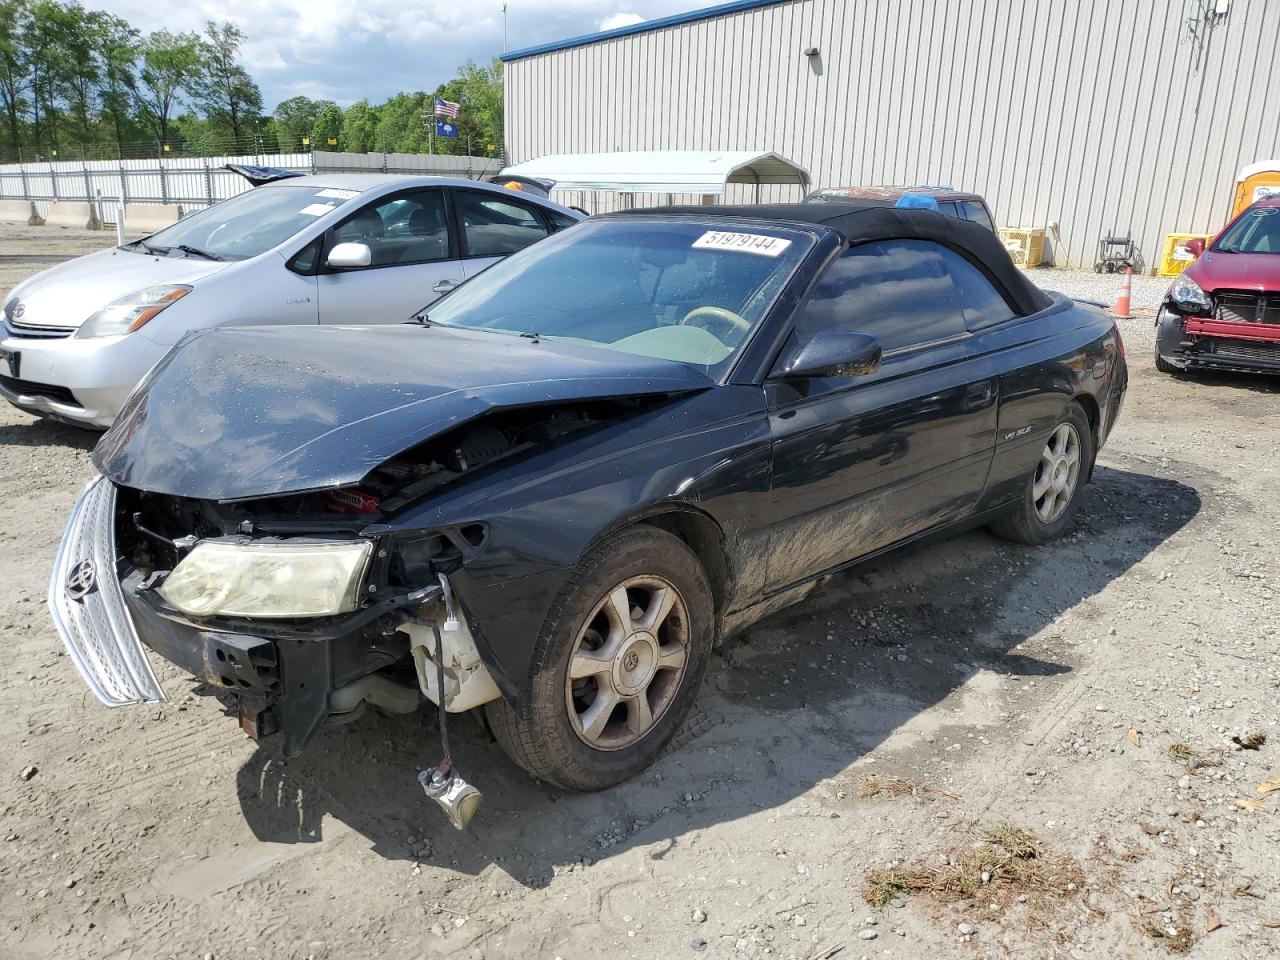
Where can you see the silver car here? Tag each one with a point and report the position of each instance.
(360, 248)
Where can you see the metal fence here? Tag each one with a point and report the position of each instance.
(193, 182)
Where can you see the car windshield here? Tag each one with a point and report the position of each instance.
(249, 223)
(1257, 231)
(689, 291)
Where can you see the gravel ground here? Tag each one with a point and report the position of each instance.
(1104, 288)
(1090, 693)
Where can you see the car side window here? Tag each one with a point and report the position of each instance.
(948, 209)
(977, 212)
(984, 306)
(560, 221)
(409, 228)
(495, 227)
(898, 291)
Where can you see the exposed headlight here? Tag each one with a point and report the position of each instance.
(1188, 297)
(133, 311)
(268, 580)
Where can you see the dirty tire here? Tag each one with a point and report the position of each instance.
(538, 734)
(1163, 365)
(1023, 524)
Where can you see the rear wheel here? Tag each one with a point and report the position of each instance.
(616, 666)
(1054, 488)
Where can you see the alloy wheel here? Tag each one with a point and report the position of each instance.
(627, 663)
(1057, 474)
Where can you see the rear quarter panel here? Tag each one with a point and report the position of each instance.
(1068, 352)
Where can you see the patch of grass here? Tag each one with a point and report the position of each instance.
(882, 785)
(1179, 941)
(1008, 862)
(1193, 759)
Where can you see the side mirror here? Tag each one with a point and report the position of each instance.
(832, 353)
(346, 255)
(1195, 246)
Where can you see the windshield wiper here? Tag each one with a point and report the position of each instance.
(156, 251)
(197, 252)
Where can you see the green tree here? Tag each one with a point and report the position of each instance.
(14, 15)
(359, 127)
(224, 90)
(39, 32)
(327, 125)
(403, 122)
(72, 67)
(117, 49)
(479, 90)
(170, 65)
(294, 119)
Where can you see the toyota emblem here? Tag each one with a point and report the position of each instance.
(82, 580)
(19, 309)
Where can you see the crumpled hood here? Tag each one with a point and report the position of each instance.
(1236, 271)
(245, 412)
(68, 294)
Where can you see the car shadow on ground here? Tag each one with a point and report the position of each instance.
(790, 704)
(1255, 382)
(47, 433)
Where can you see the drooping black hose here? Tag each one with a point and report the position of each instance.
(444, 714)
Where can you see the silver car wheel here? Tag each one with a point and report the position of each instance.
(627, 663)
(1057, 474)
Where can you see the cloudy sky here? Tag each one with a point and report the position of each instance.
(347, 49)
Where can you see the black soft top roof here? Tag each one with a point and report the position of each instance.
(864, 220)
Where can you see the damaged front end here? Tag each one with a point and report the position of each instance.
(296, 610)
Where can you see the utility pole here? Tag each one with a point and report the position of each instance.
(504, 26)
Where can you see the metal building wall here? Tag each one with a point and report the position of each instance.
(1097, 115)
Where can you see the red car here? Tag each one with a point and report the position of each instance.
(1223, 312)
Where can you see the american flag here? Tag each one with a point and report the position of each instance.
(446, 108)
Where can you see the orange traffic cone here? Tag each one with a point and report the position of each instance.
(1121, 310)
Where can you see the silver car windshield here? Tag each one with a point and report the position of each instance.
(682, 290)
(249, 223)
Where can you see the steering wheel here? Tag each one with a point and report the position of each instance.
(716, 313)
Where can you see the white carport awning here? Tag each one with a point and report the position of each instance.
(702, 172)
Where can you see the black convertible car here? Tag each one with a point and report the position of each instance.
(554, 495)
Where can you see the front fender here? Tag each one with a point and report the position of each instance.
(545, 512)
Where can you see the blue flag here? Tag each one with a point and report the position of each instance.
(446, 129)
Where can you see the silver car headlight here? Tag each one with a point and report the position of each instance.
(272, 580)
(133, 311)
(1188, 296)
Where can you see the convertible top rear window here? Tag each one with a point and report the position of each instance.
(682, 290)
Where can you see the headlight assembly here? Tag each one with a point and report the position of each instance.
(268, 580)
(1188, 297)
(131, 312)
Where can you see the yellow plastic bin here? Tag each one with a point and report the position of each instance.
(1174, 256)
(1025, 245)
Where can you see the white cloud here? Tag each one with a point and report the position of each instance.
(374, 48)
(620, 20)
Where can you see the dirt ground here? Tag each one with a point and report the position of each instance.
(1039, 688)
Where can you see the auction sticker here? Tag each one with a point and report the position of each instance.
(334, 193)
(317, 209)
(758, 243)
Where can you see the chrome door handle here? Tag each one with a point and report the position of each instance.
(444, 286)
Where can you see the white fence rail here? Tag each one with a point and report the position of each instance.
(199, 181)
